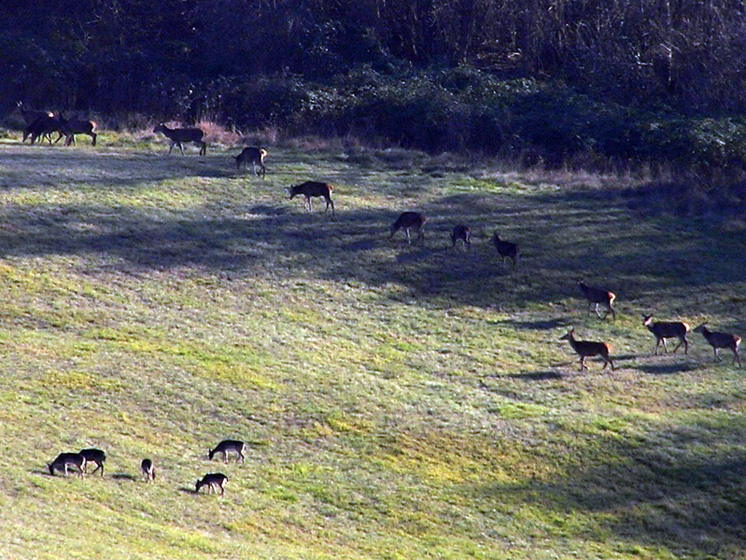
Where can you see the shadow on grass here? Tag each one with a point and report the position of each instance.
(542, 325)
(537, 376)
(679, 489)
(185, 490)
(124, 476)
(354, 245)
(666, 369)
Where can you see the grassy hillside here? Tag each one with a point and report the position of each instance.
(401, 402)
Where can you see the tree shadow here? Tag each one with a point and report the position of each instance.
(666, 489)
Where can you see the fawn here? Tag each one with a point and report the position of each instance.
(598, 296)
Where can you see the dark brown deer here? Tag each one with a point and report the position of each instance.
(178, 136)
(96, 456)
(598, 296)
(587, 349)
(31, 116)
(148, 470)
(410, 220)
(213, 481)
(311, 189)
(506, 249)
(256, 157)
(461, 233)
(41, 128)
(229, 446)
(721, 340)
(66, 461)
(70, 127)
(667, 329)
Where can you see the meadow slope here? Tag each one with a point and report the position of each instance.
(400, 402)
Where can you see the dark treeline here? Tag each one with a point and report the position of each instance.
(401, 70)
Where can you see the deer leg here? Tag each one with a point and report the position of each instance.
(171, 147)
(665, 347)
(681, 341)
(409, 240)
(715, 351)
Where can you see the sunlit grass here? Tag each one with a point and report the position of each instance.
(400, 402)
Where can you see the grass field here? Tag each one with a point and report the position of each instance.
(400, 402)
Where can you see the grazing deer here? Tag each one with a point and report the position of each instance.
(66, 461)
(148, 470)
(721, 340)
(177, 137)
(35, 120)
(310, 189)
(70, 127)
(43, 127)
(410, 220)
(93, 456)
(665, 329)
(255, 156)
(506, 249)
(586, 349)
(462, 233)
(227, 446)
(597, 296)
(213, 481)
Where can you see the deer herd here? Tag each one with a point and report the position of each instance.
(42, 125)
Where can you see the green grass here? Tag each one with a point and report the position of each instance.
(402, 402)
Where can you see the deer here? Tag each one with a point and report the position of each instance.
(213, 481)
(70, 127)
(227, 446)
(462, 233)
(96, 456)
(410, 220)
(43, 127)
(586, 349)
(177, 137)
(506, 249)
(598, 296)
(311, 189)
(31, 115)
(667, 329)
(721, 340)
(148, 470)
(255, 156)
(65, 461)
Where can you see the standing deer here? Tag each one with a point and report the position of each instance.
(667, 329)
(227, 446)
(177, 137)
(410, 220)
(70, 127)
(311, 189)
(43, 127)
(94, 456)
(255, 156)
(586, 349)
(213, 481)
(148, 470)
(721, 340)
(31, 116)
(506, 249)
(66, 461)
(462, 233)
(596, 297)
